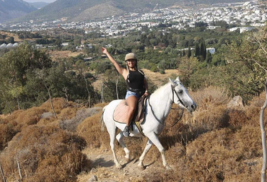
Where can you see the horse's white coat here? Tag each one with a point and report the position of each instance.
(156, 112)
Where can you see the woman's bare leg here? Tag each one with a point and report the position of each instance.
(131, 102)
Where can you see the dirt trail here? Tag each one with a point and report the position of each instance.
(105, 171)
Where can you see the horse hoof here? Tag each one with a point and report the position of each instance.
(127, 159)
(119, 166)
(168, 167)
(141, 167)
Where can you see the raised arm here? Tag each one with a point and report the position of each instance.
(121, 70)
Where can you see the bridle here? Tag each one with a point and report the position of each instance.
(179, 99)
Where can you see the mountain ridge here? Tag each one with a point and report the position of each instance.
(80, 10)
(39, 5)
(10, 9)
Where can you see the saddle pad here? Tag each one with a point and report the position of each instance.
(120, 112)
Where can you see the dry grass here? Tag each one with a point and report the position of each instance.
(159, 79)
(44, 153)
(72, 123)
(215, 144)
(90, 130)
(56, 55)
(20, 119)
(8, 34)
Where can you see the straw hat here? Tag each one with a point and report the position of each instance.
(130, 56)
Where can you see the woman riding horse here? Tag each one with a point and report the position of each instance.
(136, 84)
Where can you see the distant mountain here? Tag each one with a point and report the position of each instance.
(85, 10)
(10, 9)
(39, 5)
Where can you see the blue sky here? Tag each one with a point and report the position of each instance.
(47, 1)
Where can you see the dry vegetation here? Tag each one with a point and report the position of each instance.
(8, 34)
(58, 55)
(214, 144)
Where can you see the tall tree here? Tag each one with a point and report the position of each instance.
(189, 53)
(14, 66)
(197, 50)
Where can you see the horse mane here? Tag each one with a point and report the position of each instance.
(160, 88)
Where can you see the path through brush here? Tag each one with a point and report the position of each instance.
(104, 170)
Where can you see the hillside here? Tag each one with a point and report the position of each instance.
(216, 143)
(39, 5)
(13, 9)
(79, 9)
(98, 11)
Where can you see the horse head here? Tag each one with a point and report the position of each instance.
(181, 97)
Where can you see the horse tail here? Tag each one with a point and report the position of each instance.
(102, 121)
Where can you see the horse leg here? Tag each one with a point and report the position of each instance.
(154, 139)
(112, 133)
(141, 158)
(119, 137)
(114, 154)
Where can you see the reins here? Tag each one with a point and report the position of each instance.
(173, 91)
(148, 99)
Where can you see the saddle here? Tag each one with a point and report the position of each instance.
(120, 111)
(140, 110)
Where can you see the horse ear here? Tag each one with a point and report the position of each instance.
(172, 82)
(177, 79)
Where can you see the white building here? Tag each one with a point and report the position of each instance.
(211, 50)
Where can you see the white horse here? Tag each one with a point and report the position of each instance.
(158, 108)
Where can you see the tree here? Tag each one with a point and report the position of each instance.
(197, 50)
(203, 50)
(82, 68)
(209, 58)
(186, 67)
(11, 40)
(14, 66)
(189, 52)
(58, 43)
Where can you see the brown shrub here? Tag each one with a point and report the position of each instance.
(253, 109)
(258, 101)
(13, 116)
(90, 130)
(209, 97)
(253, 115)
(58, 104)
(237, 118)
(214, 144)
(45, 154)
(30, 116)
(7, 131)
(218, 155)
(211, 110)
(48, 121)
(71, 123)
(222, 153)
(211, 119)
(67, 113)
(101, 104)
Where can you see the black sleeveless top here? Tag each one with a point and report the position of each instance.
(135, 81)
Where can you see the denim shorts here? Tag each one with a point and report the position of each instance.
(130, 93)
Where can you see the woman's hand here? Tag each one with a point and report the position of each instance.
(104, 50)
(146, 93)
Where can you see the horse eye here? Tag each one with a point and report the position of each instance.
(180, 91)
